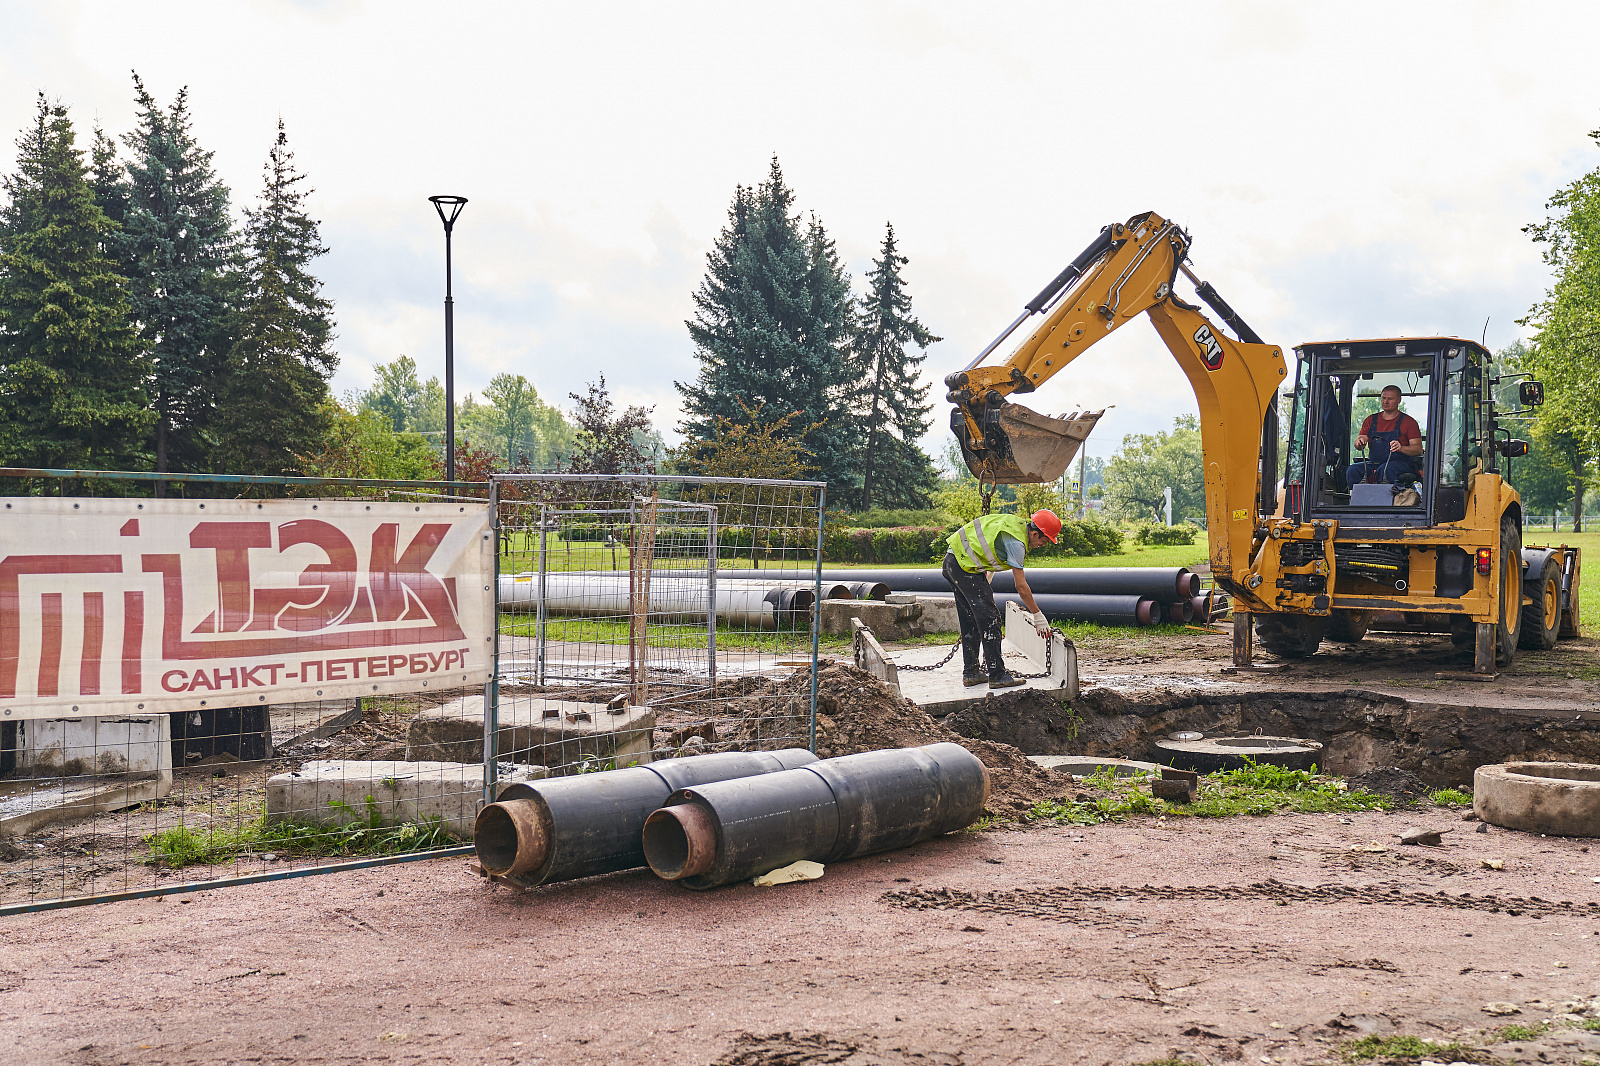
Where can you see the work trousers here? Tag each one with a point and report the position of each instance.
(980, 619)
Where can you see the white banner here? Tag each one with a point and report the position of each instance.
(122, 606)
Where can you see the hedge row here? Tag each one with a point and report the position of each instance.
(1152, 534)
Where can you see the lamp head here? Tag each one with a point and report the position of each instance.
(448, 207)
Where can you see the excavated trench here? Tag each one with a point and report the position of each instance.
(1361, 730)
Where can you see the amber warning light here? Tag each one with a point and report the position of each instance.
(1485, 561)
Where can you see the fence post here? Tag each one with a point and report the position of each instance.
(539, 615)
(711, 594)
(491, 687)
(816, 614)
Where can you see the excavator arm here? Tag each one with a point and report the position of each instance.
(1129, 271)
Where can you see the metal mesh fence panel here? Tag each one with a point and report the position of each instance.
(314, 621)
(646, 618)
(326, 715)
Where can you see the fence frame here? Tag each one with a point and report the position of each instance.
(491, 690)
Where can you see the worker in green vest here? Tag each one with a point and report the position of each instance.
(982, 546)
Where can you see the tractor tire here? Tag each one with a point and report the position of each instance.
(1541, 619)
(1290, 636)
(1508, 627)
(1348, 627)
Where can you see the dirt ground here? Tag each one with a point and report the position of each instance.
(1251, 939)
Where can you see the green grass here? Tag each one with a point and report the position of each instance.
(1258, 789)
(1403, 1047)
(1450, 797)
(795, 641)
(182, 846)
(1519, 1031)
(1588, 580)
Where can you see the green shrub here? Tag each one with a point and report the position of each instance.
(908, 544)
(1154, 535)
(886, 519)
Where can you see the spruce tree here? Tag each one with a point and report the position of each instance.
(70, 373)
(177, 251)
(772, 329)
(274, 397)
(894, 470)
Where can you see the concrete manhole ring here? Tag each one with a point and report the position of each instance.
(1233, 753)
(1561, 798)
(1085, 765)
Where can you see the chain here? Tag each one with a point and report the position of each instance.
(1049, 655)
(987, 495)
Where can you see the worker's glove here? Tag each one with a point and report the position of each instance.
(1040, 626)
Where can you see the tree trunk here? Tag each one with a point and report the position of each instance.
(161, 455)
(1577, 505)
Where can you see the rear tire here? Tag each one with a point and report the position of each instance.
(1541, 619)
(1508, 626)
(1348, 627)
(1290, 636)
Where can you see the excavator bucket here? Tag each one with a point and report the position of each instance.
(1033, 448)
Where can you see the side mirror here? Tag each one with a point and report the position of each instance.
(1514, 449)
(1531, 393)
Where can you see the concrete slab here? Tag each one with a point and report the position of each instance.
(117, 746)
(1084, 765)
(870, 656)
(334, 792)
(890, 621)
(30, 804)
(534, 730)
(940, 692)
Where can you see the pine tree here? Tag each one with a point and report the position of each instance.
(895, 472)
(69, 369)
(772, 328)
(177, 251)
(275, 392)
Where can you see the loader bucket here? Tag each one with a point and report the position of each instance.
(1034, 448)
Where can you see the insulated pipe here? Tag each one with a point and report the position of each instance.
(869, 590)
(1180, 612)
(827, 812)
(569, 827)
(1201, 608)
(1102, 610)
(605, 594)
(1164, 583)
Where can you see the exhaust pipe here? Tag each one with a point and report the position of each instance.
(829, 811)
(570, 827)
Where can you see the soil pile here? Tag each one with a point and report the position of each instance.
(1391, 782)
(857, 712)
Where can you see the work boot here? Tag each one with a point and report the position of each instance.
(970, 680)
(1005, 679)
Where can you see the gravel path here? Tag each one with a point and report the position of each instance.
(1250, 939)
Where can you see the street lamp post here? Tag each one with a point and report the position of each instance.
(449, 207)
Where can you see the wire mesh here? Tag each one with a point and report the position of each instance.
(650, 618)
(636, 619)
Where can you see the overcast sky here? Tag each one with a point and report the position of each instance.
(1345, 170)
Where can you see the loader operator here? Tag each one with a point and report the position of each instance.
(976, 550)
(1395, 440)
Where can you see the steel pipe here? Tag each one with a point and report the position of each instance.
(1164, 583)
(569, 827)
(829, 811)
(1102, 610)
(605, 594)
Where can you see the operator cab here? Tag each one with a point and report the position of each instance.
(1423, 403)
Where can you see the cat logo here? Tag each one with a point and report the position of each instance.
(1212, 354)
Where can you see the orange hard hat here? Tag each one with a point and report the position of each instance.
(1048, 524)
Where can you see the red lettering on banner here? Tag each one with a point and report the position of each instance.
(233, 677)
(94, 639)
(50, 645)
(397, 663)
(272, 672)
(419, 663)
(200, 680)
(183, 680)
(335, 669)
(232, 542)
(305, 670)
(247, 677)
(132, 642)
(14, 567)
(326, 591)
(393, 579)
(378, 666)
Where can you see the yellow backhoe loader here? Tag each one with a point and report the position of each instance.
(1328, 545)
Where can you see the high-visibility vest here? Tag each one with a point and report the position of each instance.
(973, 544)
